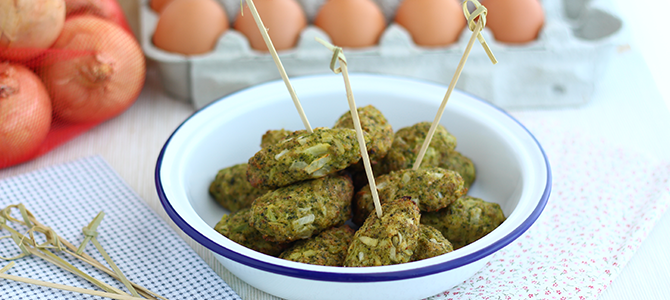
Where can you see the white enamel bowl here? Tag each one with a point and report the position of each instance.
(512, 170)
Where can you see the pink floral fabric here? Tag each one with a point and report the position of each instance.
(605, 200)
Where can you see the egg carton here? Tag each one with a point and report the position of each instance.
(561, 67)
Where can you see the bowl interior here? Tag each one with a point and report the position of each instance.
(511, 167)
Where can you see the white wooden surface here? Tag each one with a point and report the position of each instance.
(647, 274)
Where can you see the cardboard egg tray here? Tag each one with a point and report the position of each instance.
(561, 68)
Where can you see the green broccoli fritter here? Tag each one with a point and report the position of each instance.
(328, 248)
(431, 243)
(303, 209)
(431, 188)
(232, 190)
(466, 220)
(304, 156)
(391, 239)
(458, 162)
(235, 226)
(407, 143)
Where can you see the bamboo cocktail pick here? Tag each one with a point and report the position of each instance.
(61, 286)
(480, 11)
(339, 56)
(28, 246)
(91, 235)
(280, 67)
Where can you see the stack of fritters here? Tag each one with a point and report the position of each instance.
(293, 197)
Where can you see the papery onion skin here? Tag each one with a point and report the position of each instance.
(29, 25)
(25, 113)
(107, 9)
(102, 84)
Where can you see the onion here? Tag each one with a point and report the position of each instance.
(25, 113)
(106, 9)
(31, 25)
(98, 86)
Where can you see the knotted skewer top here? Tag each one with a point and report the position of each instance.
(479, 12)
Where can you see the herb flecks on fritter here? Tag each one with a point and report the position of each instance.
(431, 188)
(301, 210)
(304, 156)
(458, 162)
(235, 226)
(328, 248)
(274, 136)
(431, 243)
(232, 190)
(466, 220)
(389, 240)
(407, 143)
(375, 124)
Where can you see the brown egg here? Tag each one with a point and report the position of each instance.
(158, 5)
(431, 22)
(190, 26)
(284, 20)
(514, 21)
(351, 23)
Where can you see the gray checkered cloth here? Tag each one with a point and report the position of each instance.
(66, 198)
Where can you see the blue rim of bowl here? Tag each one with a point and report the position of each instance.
(354, 277)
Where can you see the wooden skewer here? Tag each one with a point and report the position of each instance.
(91, 234)
(66, 287)
(5, 215)
(7, 267)
(52, 258)
(92, 227)
(361, 141)
(476, 32)
(338, 55)
(43, 253)
(280, 67)
(91, 261)
(109, 289)
(146, 293)
(481, 12)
